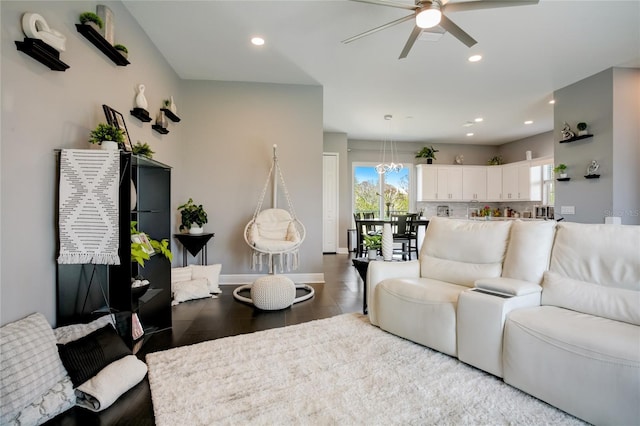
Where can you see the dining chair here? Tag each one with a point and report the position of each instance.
(405, 232)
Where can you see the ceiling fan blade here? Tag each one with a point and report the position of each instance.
(389, 3)
(380, 28)
(412, 39)
(456, 31)
(477, 5)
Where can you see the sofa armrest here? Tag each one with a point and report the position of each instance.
(508, 286)
(379, 271)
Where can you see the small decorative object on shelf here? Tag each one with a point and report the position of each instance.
(428, 152)
(372, 243)
(122, 49)
(91, 19)
(143, 149)
(567, 133)
(582, 128)
(161, 123)
(42, 43)
(140, 111)
(89, 28)
(106, 15)
(142, 246)
(592, 169)
(561, 169)
(193, 217)
(107, 136)
(495, 161)
(170, 110)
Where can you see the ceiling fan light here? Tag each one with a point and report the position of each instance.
(429, 17)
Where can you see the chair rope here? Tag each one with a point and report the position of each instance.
(275, 166)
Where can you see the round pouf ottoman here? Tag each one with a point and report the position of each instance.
(273, 292)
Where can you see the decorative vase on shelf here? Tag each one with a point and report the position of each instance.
(141, 101)
(387, 242)
(109, 145)
(172, 106)
(195, 229)
(161, 120)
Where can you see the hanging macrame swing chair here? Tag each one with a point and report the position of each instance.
(274, 236)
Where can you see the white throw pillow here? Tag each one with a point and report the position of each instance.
(292, 233)
(189, 290)
(72, 332)
(211, 273)
(180, 275)
(594, 299)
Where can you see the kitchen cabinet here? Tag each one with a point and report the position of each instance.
(427, 182)
(516, 181)
(494, 183)
(474, 183)
(449, 183)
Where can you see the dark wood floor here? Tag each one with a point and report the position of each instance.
(200, 320)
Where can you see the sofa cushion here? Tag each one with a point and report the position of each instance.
(30, 370)
(85, 357)
(69, 333)
(461, 251)
(601, 254)
(529, 250)
(608, 302)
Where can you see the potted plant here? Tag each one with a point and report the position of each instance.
(561, 170)
(193, 217)
(495, 161)
(428, 152)
(140, 250)
(373, 243)
(142, 149)
(90, 18)
(107, 136)
(582, 128)
(122, 49)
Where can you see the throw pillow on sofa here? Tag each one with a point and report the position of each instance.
(33, 382)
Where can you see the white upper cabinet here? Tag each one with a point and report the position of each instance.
(516, 181)
(450, 183)
(494, 183)
(474, 183)
(427, 182)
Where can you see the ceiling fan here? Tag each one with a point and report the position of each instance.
(429, 14)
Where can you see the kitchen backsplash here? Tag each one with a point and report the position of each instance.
(461, 210)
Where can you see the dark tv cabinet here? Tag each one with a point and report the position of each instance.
(110, 288)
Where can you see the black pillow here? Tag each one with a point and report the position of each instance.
(85, 357)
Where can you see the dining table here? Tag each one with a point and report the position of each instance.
(362, 223)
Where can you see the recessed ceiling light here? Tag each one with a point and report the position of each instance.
(257, 41)
(479, 120)
(467, 124)
(469, 134)
(475, 58)
(552, 101)
(528, 122)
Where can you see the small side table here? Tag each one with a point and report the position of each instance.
(362, 265)
(194, 243)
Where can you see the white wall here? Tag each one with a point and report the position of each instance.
(230, 131)
(540, 145)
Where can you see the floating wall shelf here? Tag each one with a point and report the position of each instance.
(564, 179)
(159, 129)
(101, 43)
(576, 138)
(42, 52)
(591, 176)
(141, 114)
(170, 115)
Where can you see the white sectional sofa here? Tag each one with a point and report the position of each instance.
(552, 308)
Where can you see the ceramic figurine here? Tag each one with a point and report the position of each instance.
(141, 101)
(34, 26)
(566, 132)
(593, 168)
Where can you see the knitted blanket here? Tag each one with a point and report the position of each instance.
(88, 207)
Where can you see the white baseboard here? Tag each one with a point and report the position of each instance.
(343, 250)
(236, 279)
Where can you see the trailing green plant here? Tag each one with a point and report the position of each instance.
(142, 149)
(139, 254)
(106, 132)
(427, 152)
(192, 213)
(91, 17)
(495, 161)
(560, 168)
(372, 242)
(121, 47)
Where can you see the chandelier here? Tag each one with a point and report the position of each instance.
(392, 166)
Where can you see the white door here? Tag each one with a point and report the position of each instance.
(330, 203)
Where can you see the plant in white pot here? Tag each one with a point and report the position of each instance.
(107, 136)
(582, 128)
(561, 169)
(193, 217)
(373, 243)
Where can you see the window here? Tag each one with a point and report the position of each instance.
(380, 194)
(548, 185)
(542, 181)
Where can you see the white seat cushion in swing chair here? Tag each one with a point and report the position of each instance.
(274, 231)
(273, 292)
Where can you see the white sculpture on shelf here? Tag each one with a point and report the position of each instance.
(141, 101)
(567, 133)
(34, 26)
(593, 168)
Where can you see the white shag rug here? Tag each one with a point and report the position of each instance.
(340, 370)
